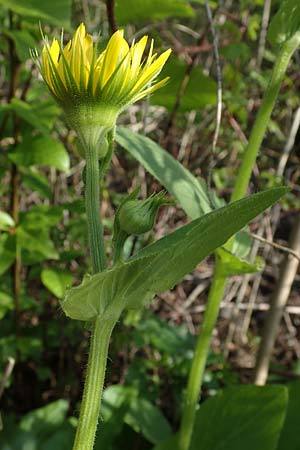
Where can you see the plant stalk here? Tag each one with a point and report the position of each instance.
(102, 329)
(201, 351)
(93, 386)
(92, 204)
(260, 125)
(218, 285)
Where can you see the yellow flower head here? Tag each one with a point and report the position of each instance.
(117, 77)
(94, 88)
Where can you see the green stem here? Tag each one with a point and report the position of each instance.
(93, 387)
(263, 117)
(92, 204)
(218, 285)
(201, 351)
(102, 328)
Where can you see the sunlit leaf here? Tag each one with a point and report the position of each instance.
(137, 11)
(161, 265)
(201, 90)
(187, 189)
(249, 415)
(43, 151)
(6, 221)
(56, 281)
(140, 413)
(286, 22)
(56, 12)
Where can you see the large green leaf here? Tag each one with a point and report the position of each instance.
(56, 280)
(244, 417)
(36, 245)
(56, 12)
(23, 41)
(7, 251)
(44, 420)
(36, 181)
(201, 90)
(159, 266)
(169, 444)
(290, 436)
(40, 115)
(41, 150)
(137, 11)
(286, 22)
(140, 413)
(188, 191)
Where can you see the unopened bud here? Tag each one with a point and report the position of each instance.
(138, 216)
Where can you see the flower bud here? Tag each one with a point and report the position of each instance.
(138, 216)
(135, 217)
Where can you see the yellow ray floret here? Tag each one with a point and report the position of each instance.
(118, 76)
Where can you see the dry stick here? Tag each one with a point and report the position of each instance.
(180, 94)
(204, 338)
(220, 279)
(295, 310)
(280, 171)
(219, 75)
(110, 9)
(275, 245)
(7, 373)
(289, 143)
(15, 176)
(279, 300)
(219, 93)
(241, 295)
(263, 32)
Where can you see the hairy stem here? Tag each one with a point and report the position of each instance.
(93, 387)
(92, 204)
(219, 280)
(102, 329)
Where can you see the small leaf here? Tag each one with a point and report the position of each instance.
(249, 415)
(41, 217)
(45, 420)
(187, 190)
(41, 150)
(56, 281)
(7, 251)
(26, 112)
(241, 245)
(232, 265)
(60, 438)
(56, 12)
(38, 245)
(35, 181)
(200, 91)
(23, 41)
(286, 22)
(6, 221)
(140, 414)
(159, 266)
(6, 304)
(137, 11)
